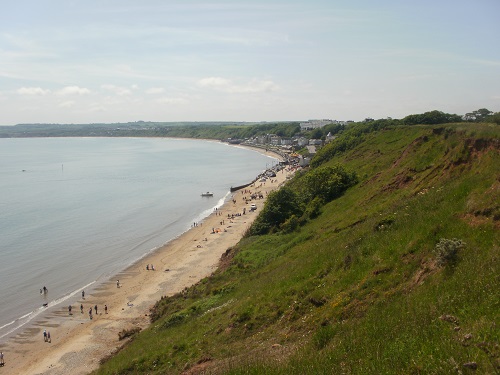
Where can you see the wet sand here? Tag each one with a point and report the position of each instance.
(79, 343)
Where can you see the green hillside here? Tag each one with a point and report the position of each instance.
(397, 274)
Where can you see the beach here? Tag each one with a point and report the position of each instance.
(78, 343)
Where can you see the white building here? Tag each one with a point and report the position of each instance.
(330, 137)
(274, 140)
(315, 142)
(302, 141)
(304, 161)
(314, 124)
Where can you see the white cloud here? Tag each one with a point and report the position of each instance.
(32, 91)
(238, 60)
(224, 84)
(67, 104)
(73, 90)
(214, 82)
(124, 68)
(121, 91)
(168, 100)
(96, 108)
(155, 90)
(256, 86)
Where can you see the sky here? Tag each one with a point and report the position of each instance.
(94, 61)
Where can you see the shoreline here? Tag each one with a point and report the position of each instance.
(72, 297)
(79, 343)
(19, 316)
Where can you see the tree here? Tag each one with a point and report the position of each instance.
(280, 206)
(431, 118)
(328, 182)
(495, 118)
(316, 133)
(478, 115)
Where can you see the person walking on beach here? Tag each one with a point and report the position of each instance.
(105, 309)
(69, 310)
(48, 337)
(83, 294)
(90, 313)
(117, 283)
(95, 307)
(81, 308)
(45, 335)
(1, 359)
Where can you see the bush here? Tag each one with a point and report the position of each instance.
(385, 223)
(128, 333)
(279, 207)
(432, 117)
(173, 320)
(446, 250)
(328, 183)
(290, 225)
(313, 209)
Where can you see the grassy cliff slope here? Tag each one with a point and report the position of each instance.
(360, 289)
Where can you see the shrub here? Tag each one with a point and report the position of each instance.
(328, 182)
(432, 117)
(385, 223)
(446, 250)
(313, 209)
(280, 206)
(174, 319)
(123, 334)
(290, 225)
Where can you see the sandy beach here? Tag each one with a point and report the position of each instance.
(78, 343)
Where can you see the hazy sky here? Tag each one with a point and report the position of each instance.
(80, 61)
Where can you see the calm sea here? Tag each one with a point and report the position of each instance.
(75, 211)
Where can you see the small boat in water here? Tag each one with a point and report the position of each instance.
(207, 194)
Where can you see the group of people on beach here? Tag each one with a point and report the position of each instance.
(46, 334)
(248, 195)
(90, 310)
(218, 230)
(96, 310)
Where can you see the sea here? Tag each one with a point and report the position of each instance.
(76, 211)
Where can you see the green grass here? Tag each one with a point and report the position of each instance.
(356, 290)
